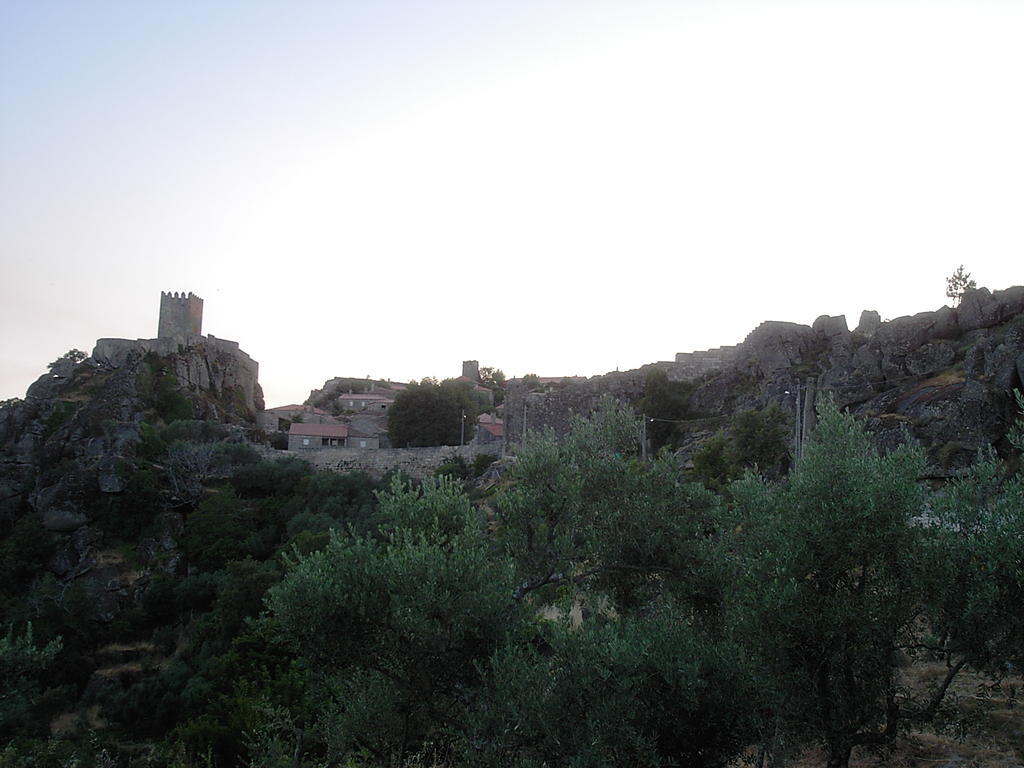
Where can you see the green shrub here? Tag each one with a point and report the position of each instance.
(269, 478)
(482, 462)
(195, 431)
(59, 415)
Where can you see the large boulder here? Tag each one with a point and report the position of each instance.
(981, 309)
(775, 346)
(870, 321)
(833, 327)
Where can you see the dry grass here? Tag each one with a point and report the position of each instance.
(945, 378)
(69, 722)
(980, 725)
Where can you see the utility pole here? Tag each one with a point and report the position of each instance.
(643, 436)
(798, 437)
(462, 432)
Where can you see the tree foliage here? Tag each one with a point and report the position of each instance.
(70, 358)
(836, 585)
(644, 690)
(755, 439)
(596, 608)
(22, 666)
(428, 413)
(666, 404)
(957, 283)
(493, 378)
(398, 624)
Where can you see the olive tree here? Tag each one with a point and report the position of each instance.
(834, 583)
(397, 624)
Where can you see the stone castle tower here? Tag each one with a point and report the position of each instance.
(181, 316)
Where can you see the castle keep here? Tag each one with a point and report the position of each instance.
(201, 363)
(181, 316)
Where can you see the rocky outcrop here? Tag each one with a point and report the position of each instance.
(65, 446)
(556, 404)
(223, 380)
(942, 379)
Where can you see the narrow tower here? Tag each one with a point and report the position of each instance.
(181, 316)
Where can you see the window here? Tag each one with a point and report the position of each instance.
(305, 441)
(362, 443)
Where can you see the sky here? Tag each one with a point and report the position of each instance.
(556, 187)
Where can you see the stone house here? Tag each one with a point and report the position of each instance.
(490, 429)
(312, 437)
(362, 439)
(277, 419)
(367, 401)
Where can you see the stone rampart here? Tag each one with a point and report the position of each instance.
(115, 352)
(693, 365)
(199, 362)
(417, 463)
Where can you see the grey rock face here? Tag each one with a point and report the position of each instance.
(78, 553)
(981, 309)
(942, 379)
(63, 519)
(930, 358)
(774, 346)
(832, 327)
(870, 321)
(107, 476)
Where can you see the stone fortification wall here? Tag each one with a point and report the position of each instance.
(181, 316)
(693, 365)
(201, 363)
(115, 352)
(417, 463)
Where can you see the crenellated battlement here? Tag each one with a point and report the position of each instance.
(181, 315)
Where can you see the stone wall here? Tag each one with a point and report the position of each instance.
(181, 316)
(201, 363)
(417, 463)
(692, 365)
(556, 406)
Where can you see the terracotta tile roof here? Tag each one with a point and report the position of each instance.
(498, 430)
(364, 396)
(319, 430)
(489, 418)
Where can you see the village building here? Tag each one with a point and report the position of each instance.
(365, 401)
(278, 419)
(490, 429)
(313, 437)
(358, 438)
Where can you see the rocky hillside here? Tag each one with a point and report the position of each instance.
(67, 440)
(943, 379)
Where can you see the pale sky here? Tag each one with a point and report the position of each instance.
(389, 188)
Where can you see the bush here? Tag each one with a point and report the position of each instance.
(217, 531)
(195, 431)
(482, 462)
(278, 477)
(640, 691)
